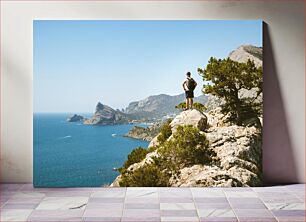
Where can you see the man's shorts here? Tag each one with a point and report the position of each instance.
(189, 94)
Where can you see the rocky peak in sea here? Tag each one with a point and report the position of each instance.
(105, 115)
(75, 118)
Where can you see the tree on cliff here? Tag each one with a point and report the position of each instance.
(226, 78)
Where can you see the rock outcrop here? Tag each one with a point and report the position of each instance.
(75, 118)
(238, 149)
(189, 117)
(144, 133)
(105, 115)
(245, 52)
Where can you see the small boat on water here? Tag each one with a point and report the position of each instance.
(114, 134)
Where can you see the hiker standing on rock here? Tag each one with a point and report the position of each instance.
(189, 85)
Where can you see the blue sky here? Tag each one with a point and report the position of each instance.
(80, 62)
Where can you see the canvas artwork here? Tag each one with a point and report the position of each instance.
(147, 103)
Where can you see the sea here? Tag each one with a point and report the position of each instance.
(71, 154)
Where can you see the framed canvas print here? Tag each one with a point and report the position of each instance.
(147, 103)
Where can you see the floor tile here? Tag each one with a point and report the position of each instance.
(23, 194)
(260, 213)
(285, 206)
(176, 193)
(62, 203)
(207, 192)
(103, 213)
(289, 213)
(212, 206)
(177, 206)
(109, 193)
(243, 194)
(141, 200)
(25, 200)
(178, 219)
(176, 200)
(254, 219)
(20, 206)
(105, 200)
(141, 206)
(101, 219)
(132, 192)
(178, 213)
(14, 214)
(291, 219)
(91, 205)
(236, 205)
(140, 219)
(218, 219)
(141, 213)
(210, 200)
(216, 213)
(249, 200)
(56, 213)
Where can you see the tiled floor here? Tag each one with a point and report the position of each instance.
(21, 202)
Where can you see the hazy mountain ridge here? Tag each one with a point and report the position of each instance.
(159, 105)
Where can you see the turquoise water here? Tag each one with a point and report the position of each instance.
(76, 155)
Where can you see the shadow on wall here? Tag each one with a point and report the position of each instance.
(278, 159)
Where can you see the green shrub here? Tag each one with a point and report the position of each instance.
(165, 132)
(135, 156)
(188, 147)
(198, 106)
(146, 176)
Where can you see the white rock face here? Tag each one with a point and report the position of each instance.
(189, 117)
(239, 151)
(245, 52)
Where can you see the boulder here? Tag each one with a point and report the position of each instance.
(190, 117)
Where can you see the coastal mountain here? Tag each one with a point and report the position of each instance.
(158, 106)
(151, 109)
(105, 115)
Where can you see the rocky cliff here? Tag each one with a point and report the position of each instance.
(144, 133)
(237, 149)
(105, 115)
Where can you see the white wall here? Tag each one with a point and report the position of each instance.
(284, 63)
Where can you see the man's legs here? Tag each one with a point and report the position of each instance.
(191, 102)
(187, 103)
